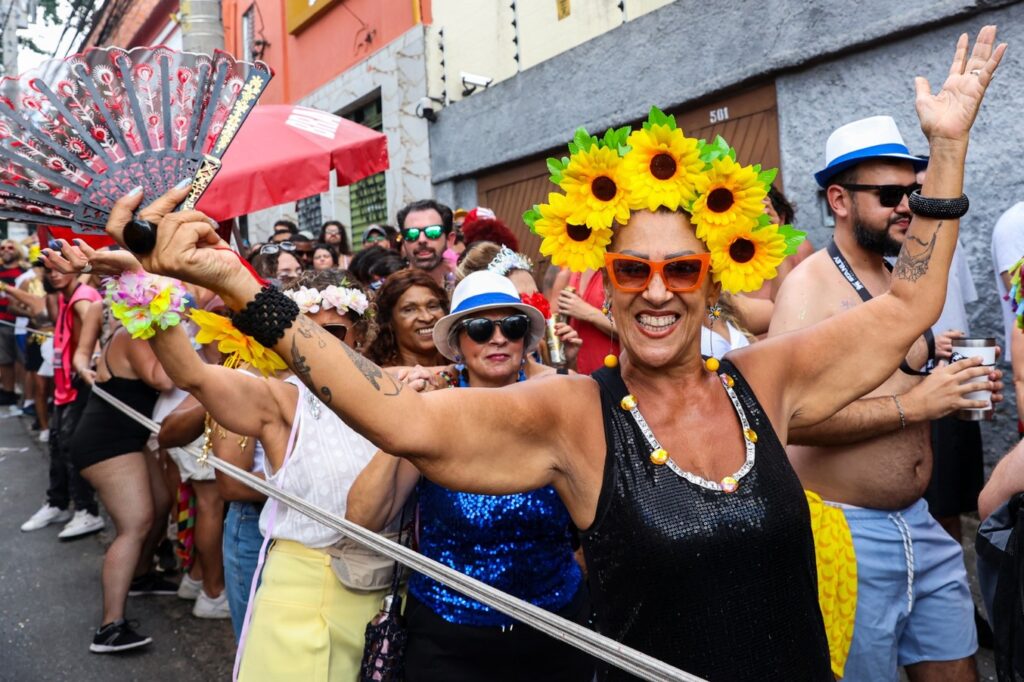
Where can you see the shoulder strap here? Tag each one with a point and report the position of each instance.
(847, 272)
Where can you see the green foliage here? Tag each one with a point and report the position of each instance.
(657, 117)
(793, 237)
(582, 141)
(557, 168)
(531, 217)
(615, 138)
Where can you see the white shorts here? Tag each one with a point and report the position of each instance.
(165, 404)
(189, 466)
(46, 349)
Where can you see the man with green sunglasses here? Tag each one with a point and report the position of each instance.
(425, 233)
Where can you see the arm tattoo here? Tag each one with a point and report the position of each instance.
(381, 380)
(912, 267)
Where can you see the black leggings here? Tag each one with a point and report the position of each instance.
(439, 651)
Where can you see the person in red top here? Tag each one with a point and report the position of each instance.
(70, 395)
(10, 270)
(582, 301)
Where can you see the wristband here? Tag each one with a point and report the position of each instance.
(903, 417)
(141, 302)
(267, 316)
(938, 209)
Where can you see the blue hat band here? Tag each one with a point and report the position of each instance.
(488, 299)
(877, 150)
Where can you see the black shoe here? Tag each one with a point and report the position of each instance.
(151, 583)
(117, 636)
(8, 398)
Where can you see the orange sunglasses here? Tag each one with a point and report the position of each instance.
(681, 275)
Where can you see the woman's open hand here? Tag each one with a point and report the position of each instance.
(950, 114)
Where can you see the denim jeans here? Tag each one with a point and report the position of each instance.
(242, 542)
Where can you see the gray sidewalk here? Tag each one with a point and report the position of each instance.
(51, 601)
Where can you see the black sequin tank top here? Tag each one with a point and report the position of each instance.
(721, 585)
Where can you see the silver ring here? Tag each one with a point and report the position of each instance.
(87, 269)
(976, 72)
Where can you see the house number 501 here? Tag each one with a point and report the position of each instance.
(719, 115)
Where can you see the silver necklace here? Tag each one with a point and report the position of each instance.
(660, 456)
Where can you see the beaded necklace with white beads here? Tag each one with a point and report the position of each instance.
(659, 456)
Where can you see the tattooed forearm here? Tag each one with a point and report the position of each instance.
(913, 266)
(299, 363)
(378, 378)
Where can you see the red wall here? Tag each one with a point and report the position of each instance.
(326, 47)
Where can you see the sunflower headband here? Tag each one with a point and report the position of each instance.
(604, 179)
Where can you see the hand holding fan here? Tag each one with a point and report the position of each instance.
(77, 134)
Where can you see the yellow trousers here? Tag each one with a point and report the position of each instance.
(305, 624)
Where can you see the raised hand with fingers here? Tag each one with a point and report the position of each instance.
(187, 245)
(949, 114)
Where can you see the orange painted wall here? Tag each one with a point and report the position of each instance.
(326, 47)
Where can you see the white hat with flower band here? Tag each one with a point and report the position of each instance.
(605, 179)
(478, 292)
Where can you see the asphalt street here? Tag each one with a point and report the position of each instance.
(50, 595)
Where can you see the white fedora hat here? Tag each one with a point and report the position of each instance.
(876, 137)
(480, 291)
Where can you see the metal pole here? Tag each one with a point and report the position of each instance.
(201, 28)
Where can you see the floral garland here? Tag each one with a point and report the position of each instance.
(507, 260)
(239, 348)
(341, 298)
(142, 302)
(605, 179)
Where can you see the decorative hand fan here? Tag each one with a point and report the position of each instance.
(77, 134)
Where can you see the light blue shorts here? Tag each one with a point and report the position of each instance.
(913, 602)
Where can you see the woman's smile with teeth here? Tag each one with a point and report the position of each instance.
(427, 331)
(657, 321)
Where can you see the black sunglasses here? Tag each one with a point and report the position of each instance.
(481, 329)
(271, 249)
(338, 331)
(889, 196)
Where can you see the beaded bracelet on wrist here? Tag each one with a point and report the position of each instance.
(267, 316)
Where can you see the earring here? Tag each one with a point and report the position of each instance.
(712, 364)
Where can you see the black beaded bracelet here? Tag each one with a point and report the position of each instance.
(938, 209)
(267, 316)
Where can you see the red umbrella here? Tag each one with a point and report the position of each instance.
(285, 152)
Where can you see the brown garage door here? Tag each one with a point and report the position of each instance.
(748, 121)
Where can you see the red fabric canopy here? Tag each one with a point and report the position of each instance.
(285, 152)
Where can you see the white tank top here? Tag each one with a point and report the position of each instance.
(321, 466)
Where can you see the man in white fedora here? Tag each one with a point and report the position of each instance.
(873, 459)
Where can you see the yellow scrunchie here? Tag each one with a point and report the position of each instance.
(837, 577)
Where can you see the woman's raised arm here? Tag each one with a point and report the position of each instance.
(829, 364)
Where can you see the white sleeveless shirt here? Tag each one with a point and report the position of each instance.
(324, 460)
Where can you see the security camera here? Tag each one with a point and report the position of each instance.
(471, 81)
(427, 108)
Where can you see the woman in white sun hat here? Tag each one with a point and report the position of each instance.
(518, 543)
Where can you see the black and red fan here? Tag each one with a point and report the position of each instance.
(79, 133)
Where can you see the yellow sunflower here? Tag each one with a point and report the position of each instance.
(593, 185)
(727, 194)
(744, 256)
(569, 244)
(661, 168)
(240, 348)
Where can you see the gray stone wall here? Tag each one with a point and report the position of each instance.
(833, 61)
(879, 80)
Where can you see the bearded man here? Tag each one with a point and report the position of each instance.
(873, 459)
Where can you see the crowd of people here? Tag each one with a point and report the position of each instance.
(785, 506)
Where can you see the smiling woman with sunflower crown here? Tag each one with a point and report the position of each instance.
(695, 528)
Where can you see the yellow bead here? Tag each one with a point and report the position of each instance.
(750, 435)
(712, 364)
(728, 380)
(659, 456)
(628, 403)
(611, 361)
(729, 484)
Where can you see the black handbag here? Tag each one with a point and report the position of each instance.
(384, 650)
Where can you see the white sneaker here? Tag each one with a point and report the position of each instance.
(189, 588)
(44, 436)
(82, 523)
(208, 607)
(44, 517)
